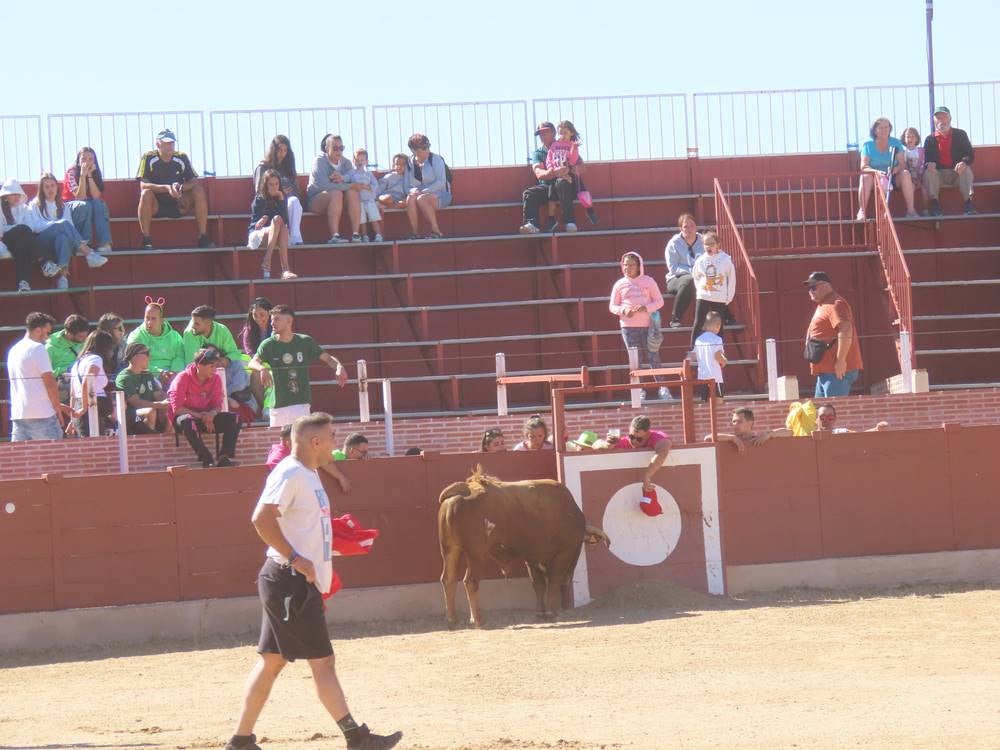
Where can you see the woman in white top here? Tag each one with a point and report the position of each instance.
(51, 219)
(95, 359)
(714, 282)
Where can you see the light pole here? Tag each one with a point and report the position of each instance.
(930, 57)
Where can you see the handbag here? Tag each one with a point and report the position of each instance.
(815, 349)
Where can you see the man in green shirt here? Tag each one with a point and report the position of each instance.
(147, 403)
(283, 360)
(355, 447)
(63, 348)
(203, 331)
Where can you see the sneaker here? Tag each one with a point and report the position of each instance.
(49, 269)
(23, 286)
(529, 228)
(553, 225)
(205, 242)
(435, 236)
(62, 282)
(4, 252)
(105, 248)
(665, 394)
(288, 275)
(378, 237)
(224, 462)
(335, 239)
(970, 210)
(413, 237)
(675, 322)
(934, 209)
(265, 273)
(912, 215)
(368, 741)
(250, 744)
(207, 463)
(355, 237)
(571, 227)
(364, 238)
(147, 243)
(95, 259)
(861, 215)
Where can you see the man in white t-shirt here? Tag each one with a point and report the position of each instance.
(35, 411)
(293, 518)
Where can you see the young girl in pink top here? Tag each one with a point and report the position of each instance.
(564, 153)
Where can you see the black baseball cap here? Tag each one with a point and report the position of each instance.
(816, 277)
(544, 126)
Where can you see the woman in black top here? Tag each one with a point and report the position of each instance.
(269, 223)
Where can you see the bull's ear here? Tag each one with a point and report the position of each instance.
(456, 488)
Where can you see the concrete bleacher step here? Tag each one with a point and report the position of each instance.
(956, 296)
(951, 230)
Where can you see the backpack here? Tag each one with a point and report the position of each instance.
(417, 171)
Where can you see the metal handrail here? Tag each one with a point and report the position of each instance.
(897, 272)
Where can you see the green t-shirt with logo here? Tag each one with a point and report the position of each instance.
(290, 367)
(142, 384)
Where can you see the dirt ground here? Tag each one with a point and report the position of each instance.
(647, 667)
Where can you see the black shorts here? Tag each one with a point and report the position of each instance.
(167, 207)
(293, 624)
(701, 391)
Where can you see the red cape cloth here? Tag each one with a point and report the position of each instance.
(349, 538)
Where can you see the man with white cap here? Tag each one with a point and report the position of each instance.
(949, 156)
(170, 189)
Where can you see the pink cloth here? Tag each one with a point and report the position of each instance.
(655, 436)
(631, 293)
(278, 451)
(190, 393)
(562, 154)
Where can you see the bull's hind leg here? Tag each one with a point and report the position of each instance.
(539, 581)
(472, 577)
(454, 562)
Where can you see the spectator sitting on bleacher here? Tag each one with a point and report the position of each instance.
(282, 448)
(170, 189)
(949, 156)
(493, 441)
(114, 324)
(392, 187)
(35, 410)
(51, 219)
(196, 403)
(714, 284)
(95, 359)
(534, 197)
(884, 157)
(256, 328)
(681, 252)
(634, 297)
(269, 224)
(427, 176)
(826, 421)
(536, 435)
(82, 187)
(371, 217)
(330, 187)
(146, 410)
(64, 348)
(916, 162)
(355, 448)
(202, 331)
(281, 159)
(166, 347)
(743, 434)
(564, 151)
(17, 240)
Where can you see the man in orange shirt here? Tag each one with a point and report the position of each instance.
(831, 341)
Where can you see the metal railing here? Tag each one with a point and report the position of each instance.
(650, 126)
(974, 105)
(792, 121)
(747, 288)
(20, 143)
(466, 134)
(120, 139)
(240, 137)
(796, 212)
(897, 273)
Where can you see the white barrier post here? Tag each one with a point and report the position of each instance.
(905, 361)
(93, 421)
(501, 387)
(390, 442)
(772, 369)
(633, 365)
(121, 412)
(221, 372)
(363, 412)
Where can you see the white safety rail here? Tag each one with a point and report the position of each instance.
(788, 121)
(364, 410)
(974, 105)
(21, 151)
(652, 126)
(121, 138)
(466, 134)
(240, 137)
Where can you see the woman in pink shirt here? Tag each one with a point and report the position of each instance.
(196, 400)
(633, 298)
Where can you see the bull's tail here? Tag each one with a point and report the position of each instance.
(593, 535)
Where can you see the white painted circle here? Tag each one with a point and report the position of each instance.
(638, 539)
(9, 508)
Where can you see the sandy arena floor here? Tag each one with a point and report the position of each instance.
(648, 667)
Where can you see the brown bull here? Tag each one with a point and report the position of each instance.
(535, 520)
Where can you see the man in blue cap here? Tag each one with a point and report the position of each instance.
(949, 157)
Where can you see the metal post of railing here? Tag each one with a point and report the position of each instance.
(501, 387)
(363, 411)
(225, 390)
(121, 411)
(92, 419)
(906, 361)
(633, 365)
(390, 442)
(772, 369)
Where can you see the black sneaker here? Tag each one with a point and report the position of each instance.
(934, 209)
(224, 462)
(250, 744)
(368, 741)
(205, 242)
(553, 225)
(675, 322)
(970, 210)
(147, 243)
(207, 463)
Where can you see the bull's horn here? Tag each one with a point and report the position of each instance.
(593, 535)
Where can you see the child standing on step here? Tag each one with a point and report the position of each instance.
(711, 357)
(371, 217)
(269, 223)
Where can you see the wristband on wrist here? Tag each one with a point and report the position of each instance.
(293, 557)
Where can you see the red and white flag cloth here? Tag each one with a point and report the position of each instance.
(649, 504)
(349, 538)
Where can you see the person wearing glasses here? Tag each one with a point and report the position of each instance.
(429, 179)
(832, 348)
(115, 325)
(493, 441)
(641, 435)
(355, 448)
(826, 421)
(330, 188)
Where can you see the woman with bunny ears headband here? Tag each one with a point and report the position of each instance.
(166, 347)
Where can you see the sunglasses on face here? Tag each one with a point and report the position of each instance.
(337, 148)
